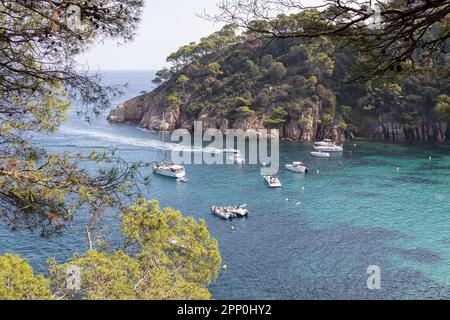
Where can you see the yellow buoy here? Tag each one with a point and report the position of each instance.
(225, 267)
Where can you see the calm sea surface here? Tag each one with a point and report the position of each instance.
(386, 205)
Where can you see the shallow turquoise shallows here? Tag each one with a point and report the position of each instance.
(383, 204)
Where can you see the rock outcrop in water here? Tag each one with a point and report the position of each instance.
(295, 85)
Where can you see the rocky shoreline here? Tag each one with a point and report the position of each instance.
(148, 111)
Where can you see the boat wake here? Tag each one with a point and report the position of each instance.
(139, 142)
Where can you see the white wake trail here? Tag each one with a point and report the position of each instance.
(139, 142)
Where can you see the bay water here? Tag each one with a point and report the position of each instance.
(383, 204)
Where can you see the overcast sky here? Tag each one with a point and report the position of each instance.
(165, 26)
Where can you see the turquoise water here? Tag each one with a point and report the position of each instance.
(384, 204)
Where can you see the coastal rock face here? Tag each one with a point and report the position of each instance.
(130, 111)
(149, 112)
(426, 130)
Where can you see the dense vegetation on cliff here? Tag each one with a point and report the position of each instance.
(303, 85)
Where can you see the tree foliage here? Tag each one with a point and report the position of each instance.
(443, 106)
(164, 256)
(277, 71)
(39, 77)
(388, 33)
(38, 80)
(308, 78)
(17, 281)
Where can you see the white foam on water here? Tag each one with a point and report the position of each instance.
(139, 142)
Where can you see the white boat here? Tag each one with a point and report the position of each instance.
(222, 213)
(231, 212)
(321, 154)
(230, 150)
(272, 182)
(169, 170)
(240, 211)
(237, 159)
(219, 151)
(324, 142)
(298, 167)
(331, 148)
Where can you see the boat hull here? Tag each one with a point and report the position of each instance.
(326, 143)
(329, 148)
(272, 184)
(290, 167)
(322, 144)
(321, 154)
(237, 160)
(219, 212)
(168, 173)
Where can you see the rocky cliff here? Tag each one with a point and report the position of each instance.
(302, 87)
(383, 128)
(149, 112)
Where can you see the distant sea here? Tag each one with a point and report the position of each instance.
(384, 204)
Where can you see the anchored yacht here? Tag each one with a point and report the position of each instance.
(169, 170)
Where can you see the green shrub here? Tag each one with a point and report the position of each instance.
(245, 111)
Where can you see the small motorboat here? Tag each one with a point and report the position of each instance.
(169, 170)
(324, 142)
(223, 213)
(230, 212)
(272, 182)
(240, 211)
(320, 154)
(298, 167)
(237, 159)
(230, 150)
(332, 148)
(219, 151)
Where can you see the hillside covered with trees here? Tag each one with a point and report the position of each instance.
(303, 86)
